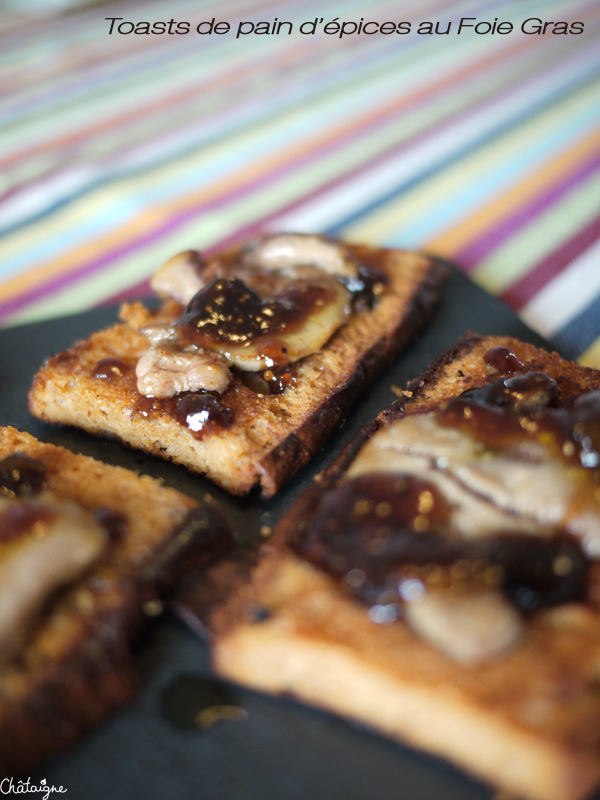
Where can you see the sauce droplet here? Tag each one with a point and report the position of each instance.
(111, 369)
(503, 359)
(202, 413)
(197, 702)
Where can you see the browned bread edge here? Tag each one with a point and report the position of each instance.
(272, 460)
(78, 666)
(338, 668)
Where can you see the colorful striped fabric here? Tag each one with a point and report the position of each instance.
(118, 150)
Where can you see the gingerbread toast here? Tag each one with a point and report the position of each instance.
(121, 540)
(252, 422)
(501, 676)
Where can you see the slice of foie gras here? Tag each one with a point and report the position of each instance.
(527, 490)
(45, 544)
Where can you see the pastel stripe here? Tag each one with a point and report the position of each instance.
(552, 265)
(509, 262)
(456, 191)
(479, 249)
(158, 233)
(591, 356)
(236, 178)
(117, 151)
(525, 189)
(581, 330)
(565, 297)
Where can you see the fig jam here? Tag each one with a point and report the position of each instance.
(270, 381)
(201, 413)
(377, 531)
(229, 311)
(111, 369)
(20, 517)
(538, 573)
(511, 411)
(503, 360)
(21, 475)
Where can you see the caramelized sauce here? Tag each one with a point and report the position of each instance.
(270, 381)
(199, 412)
(503, 360)
(19, 518)
(229, 311)
(537, 572)
(145, 406)
(377, 531)
(111, 369)
(366, 287)
(21, 474)
(278, 380)
(371, 526)
(511, 411)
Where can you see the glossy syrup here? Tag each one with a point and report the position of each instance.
(503, 359)
(111, 369)
(199, 412)
(511, 411)
(229, 311)
(270, 381)
(20, 518)
(377, 531)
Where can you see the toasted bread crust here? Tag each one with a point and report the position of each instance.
(271, 437)
(528, 722)
(77, 666)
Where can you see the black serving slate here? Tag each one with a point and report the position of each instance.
(281, 750)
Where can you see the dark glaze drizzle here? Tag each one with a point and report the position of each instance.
(378, 531)
(199, 412)
(229, 311)
(503, 360)
(511, 411)
(19, 518)
(111, 369)
(270, 381)
(21, 475)
(202, 413)
(365, 287)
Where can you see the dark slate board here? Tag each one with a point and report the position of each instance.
(282, 749)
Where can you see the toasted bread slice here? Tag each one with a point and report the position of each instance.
(76, 665)
(270, 437)
(526, 720)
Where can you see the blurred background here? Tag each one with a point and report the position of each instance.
(118, 150)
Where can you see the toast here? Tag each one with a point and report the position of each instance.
(452, 643)
(256, 421)
(65, 650)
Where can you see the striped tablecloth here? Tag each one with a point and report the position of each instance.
(119, 150)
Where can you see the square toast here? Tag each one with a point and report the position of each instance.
(261, 437)
(75, 665)
(310, 619)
